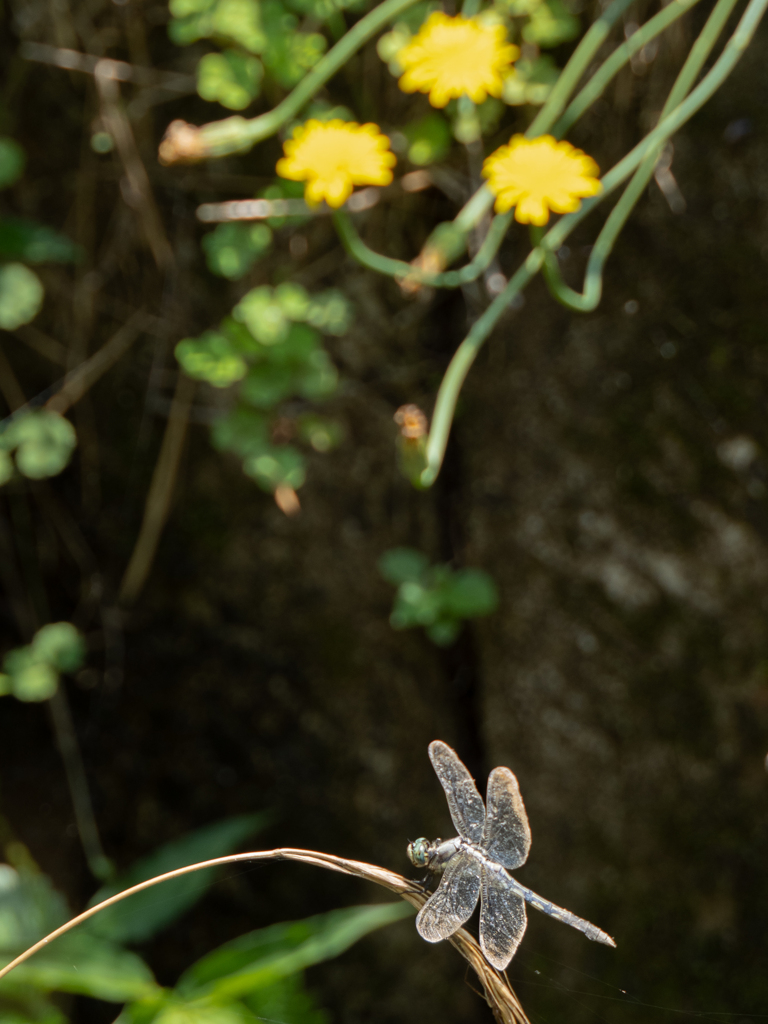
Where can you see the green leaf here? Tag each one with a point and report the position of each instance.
(212, 358)
(293, 300)
(22, 1004)
(44, 442)
(550, 24)
(275, 466)
(470, 593)
(286, 1000)
(29, 909)
(204, 1013)
(323, 434)
(444, 632)
(12, 161)
(530, 81)
(259, 958)
(141, 916)
(235, 20)
(6, 687)
(429, 139)
(401, 565)
(244, 431)
(60, 645)
(35, 682)
(263, 316)
(289, 53)
(35, 243)
(85, 964)
(330, 312)
(21, 295)
(231, 249)
(231, 78)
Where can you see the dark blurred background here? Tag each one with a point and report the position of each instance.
(609, 471)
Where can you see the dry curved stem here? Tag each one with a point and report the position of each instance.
(498, 993)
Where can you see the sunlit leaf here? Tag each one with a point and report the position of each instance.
(81, 963)
(259, 958)
(231, 78)
(61, 645)
(279, 464)
(21, 295)
(212, 358)
(231, 249)
(43, 442)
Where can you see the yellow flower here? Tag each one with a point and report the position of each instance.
(453, 57)
(332, 156)
(539, 175)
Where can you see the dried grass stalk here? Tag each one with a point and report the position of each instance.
(498, 993)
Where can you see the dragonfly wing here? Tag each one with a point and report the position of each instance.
(454, 900)
(507, 834)
(502, 920)
(464, 802)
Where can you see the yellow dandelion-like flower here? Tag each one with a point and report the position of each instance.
(451, 57)
(539, 175)
(333, 156)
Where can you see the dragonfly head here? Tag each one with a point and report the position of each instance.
(419, 852)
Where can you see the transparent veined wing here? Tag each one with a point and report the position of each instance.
(502, 920)
(454, 900)
(506, 834)
(464, 802)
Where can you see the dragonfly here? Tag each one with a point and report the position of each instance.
(494, 838)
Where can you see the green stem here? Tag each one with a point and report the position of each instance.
(354, 245)
(580, 60)
(238, 134)
(463, 357)
(620, 56)
(593, 278)
(482, 201)
(455, 375)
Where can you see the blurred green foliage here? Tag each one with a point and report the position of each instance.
(272, 346)
(436, 597)
(42, 442)
(12, 161)
(31, 673)
(231, 249)
(429, 139)
(255, 976)
(21, 295)
(231, 78)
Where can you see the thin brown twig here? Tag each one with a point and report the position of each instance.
(88, 372)
(160, 493)
(498, 993)
(138, 192)
(66, 738)
(72, 60)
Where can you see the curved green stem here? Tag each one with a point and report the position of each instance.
(593, 279)
(459, 366)
(238, 134)
(575, 68)
(455, 375)
(481, 202)
(620, 56)
(354, 245)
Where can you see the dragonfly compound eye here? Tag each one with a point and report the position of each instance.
(418, 852)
